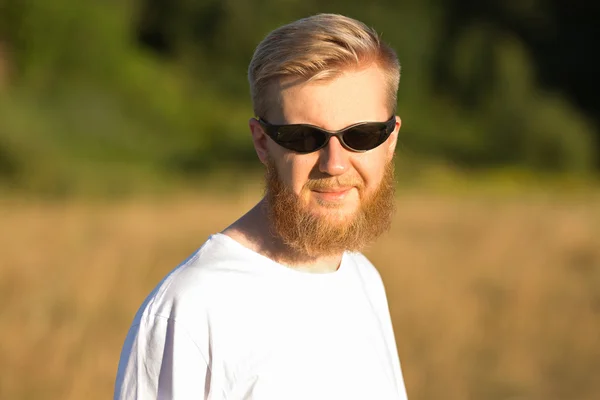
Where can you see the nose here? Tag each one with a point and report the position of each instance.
(333, 158)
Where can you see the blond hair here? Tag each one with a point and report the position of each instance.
(319, 47)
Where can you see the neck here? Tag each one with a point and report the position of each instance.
(253, 231)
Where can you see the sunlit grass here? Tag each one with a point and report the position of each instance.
(492, 297)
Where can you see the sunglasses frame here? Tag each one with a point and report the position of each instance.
(272, 131)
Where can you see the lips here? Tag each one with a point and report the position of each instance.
(333, 194)
(334, 190)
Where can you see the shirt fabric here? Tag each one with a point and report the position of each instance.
(229, 323)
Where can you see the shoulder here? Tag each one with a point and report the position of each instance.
(208, 279)
(365, 268)
(370, 277)
(373, 285)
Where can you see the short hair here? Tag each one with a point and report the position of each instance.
(319, 47)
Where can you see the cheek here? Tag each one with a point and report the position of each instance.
(300, 174)
(294, 171)
(371, 170)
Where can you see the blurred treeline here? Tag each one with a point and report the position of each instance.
(115, 94)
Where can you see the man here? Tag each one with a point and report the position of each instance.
(281, 304)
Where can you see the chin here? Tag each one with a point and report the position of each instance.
(349, 203)
(335, 213)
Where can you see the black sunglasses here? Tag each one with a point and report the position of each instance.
(304, 138)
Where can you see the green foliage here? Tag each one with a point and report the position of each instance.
(103, 92)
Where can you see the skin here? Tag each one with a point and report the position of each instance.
(357, 95)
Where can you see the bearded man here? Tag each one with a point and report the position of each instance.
(281, 304)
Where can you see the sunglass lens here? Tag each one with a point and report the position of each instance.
(365, 137)
(301, 138)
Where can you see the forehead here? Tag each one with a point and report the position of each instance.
(352, 96)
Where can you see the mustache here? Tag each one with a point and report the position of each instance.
(334, 182)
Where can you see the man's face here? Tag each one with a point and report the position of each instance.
(332, 188)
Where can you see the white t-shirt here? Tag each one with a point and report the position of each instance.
(229, 323)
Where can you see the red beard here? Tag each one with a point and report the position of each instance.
(310, 235)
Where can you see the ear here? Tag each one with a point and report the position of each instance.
(393, 139)
(259, 139)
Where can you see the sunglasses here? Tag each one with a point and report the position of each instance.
(304, 138)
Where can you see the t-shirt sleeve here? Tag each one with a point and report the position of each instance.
(160, 360)
(377, 293)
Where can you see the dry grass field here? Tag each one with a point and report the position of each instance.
(492, 297)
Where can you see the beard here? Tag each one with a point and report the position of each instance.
(310, 235)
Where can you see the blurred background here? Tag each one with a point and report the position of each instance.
(124, 143)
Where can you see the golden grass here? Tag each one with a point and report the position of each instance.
(492, 298)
